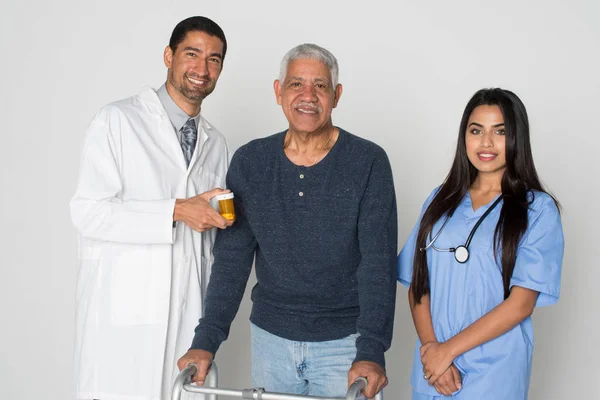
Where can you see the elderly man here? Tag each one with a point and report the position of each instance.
(316, 206)
(150, 165)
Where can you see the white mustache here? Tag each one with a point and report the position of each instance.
(309, 105)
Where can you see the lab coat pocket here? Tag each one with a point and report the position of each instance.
(140, 286)
(204, 180)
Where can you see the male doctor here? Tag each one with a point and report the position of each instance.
(151, 163)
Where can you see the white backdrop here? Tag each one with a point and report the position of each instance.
(408, 69)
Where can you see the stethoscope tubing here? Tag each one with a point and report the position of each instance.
(463, 255)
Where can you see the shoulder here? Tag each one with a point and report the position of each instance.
(541, 203)
(544, 225)
(250, 160)
(430, 198)
(260, 148)
(543, 214)
(112, 111)
(130, 107)
(432, 194)
(358, 145)
(110, 118)
(361, 154)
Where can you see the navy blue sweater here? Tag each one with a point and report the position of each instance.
(325, 241)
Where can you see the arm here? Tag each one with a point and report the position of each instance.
(450, 380)
(99, 212)
(377, 237)
(421, 314)
(437, 357)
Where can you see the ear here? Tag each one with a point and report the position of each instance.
(168, 57)
(277, 88)
(337, 94)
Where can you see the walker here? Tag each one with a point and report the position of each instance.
(182, 383)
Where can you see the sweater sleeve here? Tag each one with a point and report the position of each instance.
(233, 255)
(377, 235)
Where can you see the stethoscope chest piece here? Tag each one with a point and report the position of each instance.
(461, 254)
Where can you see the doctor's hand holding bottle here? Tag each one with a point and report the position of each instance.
(197, 212)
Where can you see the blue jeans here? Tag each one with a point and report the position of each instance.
(307, 368)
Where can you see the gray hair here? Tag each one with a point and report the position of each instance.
(309, 51)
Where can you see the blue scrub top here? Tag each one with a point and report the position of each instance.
(462, 293)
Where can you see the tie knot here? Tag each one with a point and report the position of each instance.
(189, 127)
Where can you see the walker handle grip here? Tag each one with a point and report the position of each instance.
(185, 377)
(357, 388)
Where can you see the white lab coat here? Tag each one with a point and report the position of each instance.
(141, 282)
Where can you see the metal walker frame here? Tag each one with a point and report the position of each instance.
(183, 383)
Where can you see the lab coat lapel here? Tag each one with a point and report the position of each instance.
(200, 151)
(165, 128)
(171, 142)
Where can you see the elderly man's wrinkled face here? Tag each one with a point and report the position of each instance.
(307, 96)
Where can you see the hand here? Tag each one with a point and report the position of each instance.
(436, 358)
(449, 382)
(202, 359)
(197, 213)
(375, 374)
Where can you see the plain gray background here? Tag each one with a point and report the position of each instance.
(408, 69)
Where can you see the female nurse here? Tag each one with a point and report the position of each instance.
(486, 250)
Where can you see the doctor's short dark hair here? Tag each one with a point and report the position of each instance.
(200, 24)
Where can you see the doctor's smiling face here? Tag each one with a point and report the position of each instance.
(485, 139)
(194, 67)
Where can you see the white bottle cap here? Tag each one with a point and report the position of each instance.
(225, 196)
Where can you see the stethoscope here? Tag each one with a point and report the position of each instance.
(461, 253)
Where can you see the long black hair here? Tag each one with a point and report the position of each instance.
(518, 181)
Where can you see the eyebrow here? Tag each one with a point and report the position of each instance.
(481, 126)
(197, 50)
(301, 79)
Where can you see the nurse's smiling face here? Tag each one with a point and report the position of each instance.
(486, 141)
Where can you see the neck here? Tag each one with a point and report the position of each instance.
(306, 141)
(488, 182)
(190, 107)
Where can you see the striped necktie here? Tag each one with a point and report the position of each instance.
(188, 139)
